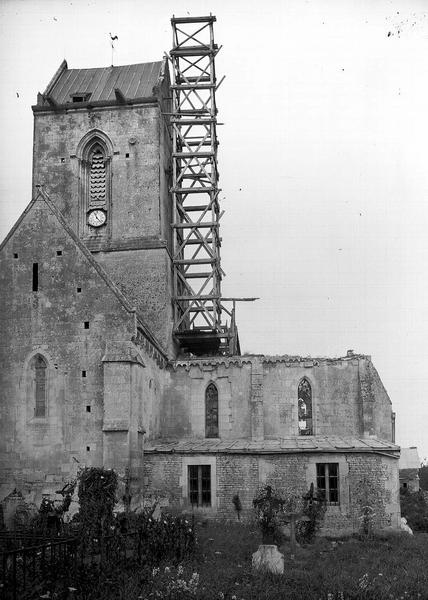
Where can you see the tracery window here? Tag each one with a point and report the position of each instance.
(304, 399)
(40, 386)
(94, 153)
(211, 411)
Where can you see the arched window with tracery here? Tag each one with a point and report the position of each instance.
(39, 369)
(211, 411)
(94, 154)
(304, 399)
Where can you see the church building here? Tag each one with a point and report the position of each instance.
(104, 361)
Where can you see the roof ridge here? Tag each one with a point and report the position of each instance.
(149, 62)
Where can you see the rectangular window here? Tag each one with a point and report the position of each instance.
(328, 481)
(199, 485)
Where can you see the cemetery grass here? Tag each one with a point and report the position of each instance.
(392, 567)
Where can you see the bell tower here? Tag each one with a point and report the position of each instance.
(102, 151)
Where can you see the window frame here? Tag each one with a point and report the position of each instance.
(329, 477)
(201, 474)
(37, 388)
(212, 429)
(84, 154)
(309, 412)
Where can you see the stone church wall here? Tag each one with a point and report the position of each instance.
(363, 478)
(258, 397)
(135, 184)
(40, 452)
(144, 276)
(183, 403)
(136, 250)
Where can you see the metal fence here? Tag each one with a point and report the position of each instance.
(28, 567)
(29, 563)
(24, 570)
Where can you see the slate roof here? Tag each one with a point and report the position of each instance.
(290, 445)
(134, 82)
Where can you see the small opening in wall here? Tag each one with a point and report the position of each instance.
(35, 277)
(83, 373)
(127, 155)
(86, 324)
(15, 256)
(62, 160)
(88, 408)
(88, 448)
(59, 252)
(79, 290)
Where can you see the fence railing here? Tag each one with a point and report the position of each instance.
(27, 562)
(29, 566)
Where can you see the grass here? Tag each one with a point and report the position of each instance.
(390, 568)
(393, 567)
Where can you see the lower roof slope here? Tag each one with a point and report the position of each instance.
(290, 445)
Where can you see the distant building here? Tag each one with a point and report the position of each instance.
(93, 372)
(409, 465)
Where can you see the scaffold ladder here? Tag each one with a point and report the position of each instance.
(196, 212)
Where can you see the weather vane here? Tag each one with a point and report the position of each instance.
(113, 38)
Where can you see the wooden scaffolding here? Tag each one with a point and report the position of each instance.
(196, 213)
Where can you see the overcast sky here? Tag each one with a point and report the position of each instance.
(323, 162)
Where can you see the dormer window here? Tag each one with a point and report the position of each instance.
(80, 97)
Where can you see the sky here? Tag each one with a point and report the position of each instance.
(323, 162)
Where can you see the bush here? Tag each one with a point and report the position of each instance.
(415, 509)
(97, 497)
(269, 505)
(170, 537)
(423, 477)
(314, 507)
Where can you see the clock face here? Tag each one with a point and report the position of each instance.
(97, 217)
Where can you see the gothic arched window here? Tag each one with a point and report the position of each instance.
(304, 399)
(211, 411)
(39, 368)
(94, 154)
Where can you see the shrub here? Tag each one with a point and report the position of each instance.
(414, 508)
(236, 501)
(170, 537)
(423, 476)
(268, 506)
(97, 497)
(314, 508)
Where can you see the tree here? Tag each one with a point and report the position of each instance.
(423, 475)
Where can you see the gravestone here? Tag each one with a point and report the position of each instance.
(268, 558)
